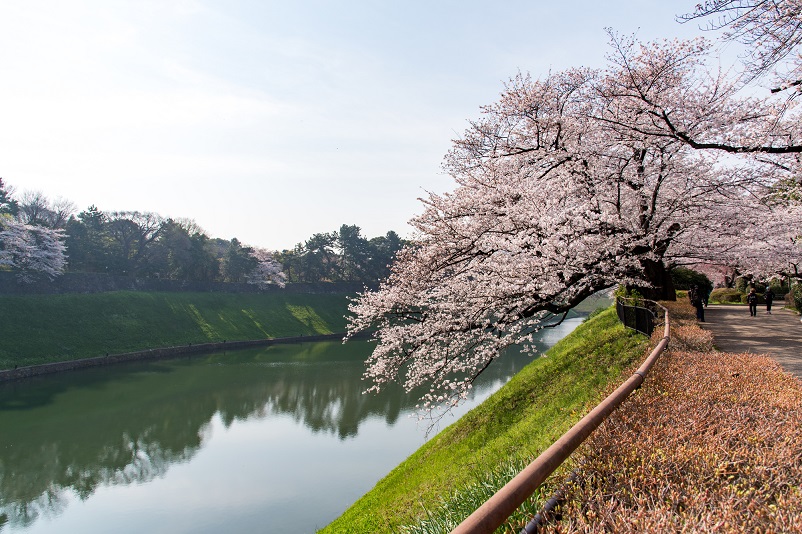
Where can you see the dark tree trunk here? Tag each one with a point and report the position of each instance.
(659, 277)
(730, 278)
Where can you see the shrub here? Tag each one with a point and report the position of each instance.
(796, 296)
(594, 313)
(625, 293)
(745, 283)
(726, 295)
(685, 278)
(780, 289)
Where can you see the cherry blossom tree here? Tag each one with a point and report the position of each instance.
(771, 247)
(31, 250)
(571, 184)
(268, 271)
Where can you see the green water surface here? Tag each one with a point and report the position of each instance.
(275, 439)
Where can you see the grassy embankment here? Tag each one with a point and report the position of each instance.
(40, 329)
(517, 423)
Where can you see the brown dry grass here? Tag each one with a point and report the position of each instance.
(711, 443)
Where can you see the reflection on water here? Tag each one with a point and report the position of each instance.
(72, 434)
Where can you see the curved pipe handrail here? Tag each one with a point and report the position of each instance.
(492, 514)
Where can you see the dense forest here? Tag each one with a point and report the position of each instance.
(44, 237)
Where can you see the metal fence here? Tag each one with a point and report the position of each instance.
(492, 514)
(637, 314)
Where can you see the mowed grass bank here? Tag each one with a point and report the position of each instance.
(516, 423)
(38, 329)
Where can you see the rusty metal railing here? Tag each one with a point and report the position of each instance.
(637, 314)
(500, 506)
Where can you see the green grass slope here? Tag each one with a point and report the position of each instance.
(518, 422)
(39, 329)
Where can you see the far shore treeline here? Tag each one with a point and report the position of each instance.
(43, 238)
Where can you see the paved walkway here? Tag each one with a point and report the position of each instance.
(778, 335)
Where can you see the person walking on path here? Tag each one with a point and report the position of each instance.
(751, 299)
(695, 296)
(769, 296)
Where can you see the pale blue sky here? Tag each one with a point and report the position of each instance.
(270, 121)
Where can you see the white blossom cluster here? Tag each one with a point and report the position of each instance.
(268, 271)
(31, 250)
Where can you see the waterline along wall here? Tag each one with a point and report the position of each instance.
(152, 354)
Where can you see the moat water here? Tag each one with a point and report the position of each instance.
(275, 439)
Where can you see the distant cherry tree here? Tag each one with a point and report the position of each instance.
(267, 271)
(31, 234)
(31, 251)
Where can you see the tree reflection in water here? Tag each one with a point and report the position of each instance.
(128, 423)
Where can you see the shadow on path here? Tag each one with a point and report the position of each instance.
(778, 335)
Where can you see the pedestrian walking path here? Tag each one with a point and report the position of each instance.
(778, 335)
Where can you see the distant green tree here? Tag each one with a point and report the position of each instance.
(356, 253)
(133, 234)
(89, 245)
(238, 262)
(320, 262)
(204, 266)
(384, 250)
(182, 251)
(8, 205)
(344, 255)
(185, 252)
(170, 256)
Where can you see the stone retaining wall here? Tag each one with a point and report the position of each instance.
(152, 354)
(100, 282)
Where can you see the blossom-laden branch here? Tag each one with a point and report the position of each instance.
(771, 30)
(666, 89)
